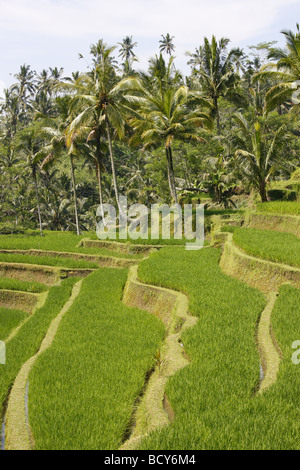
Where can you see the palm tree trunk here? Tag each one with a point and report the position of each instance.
(171, 176)
(112, 163)
(263, 191)
(99, 174)
(99, 178)
(74, 193)
(217, 115)
(13, 198)
(37, 199)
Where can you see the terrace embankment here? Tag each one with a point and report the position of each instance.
(13, 299)
(267, 276)
(153, 410)
(48, 275)
(100, 260)
(279, 223)
(119, 247)
(17, 430)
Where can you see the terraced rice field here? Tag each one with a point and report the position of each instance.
(99, 338)
(280, 207)
(214, 399)
(26, 286)
(267, 244)
(185, 357)
(10, 319)
(55, 241)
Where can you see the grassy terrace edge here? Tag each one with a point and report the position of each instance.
(71, 371)
(28, 338)
(270, 245)
(217, 386)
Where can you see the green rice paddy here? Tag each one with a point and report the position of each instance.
(82, 390)
(273, 246)
(279, 207)
(10, 319)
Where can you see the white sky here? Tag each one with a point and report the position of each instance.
(45, 33)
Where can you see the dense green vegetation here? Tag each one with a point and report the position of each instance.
(83, 388)
(268, 244)
(28, 339)
(27, 286)
(10, 319)
(213, 398)
(279, 207)
(279, 429)
(227, 136)
(46, 260)
(225, 366)
(69, 144)
(54, 241)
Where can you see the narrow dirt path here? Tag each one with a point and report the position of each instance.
(17, 430)
(270, 356)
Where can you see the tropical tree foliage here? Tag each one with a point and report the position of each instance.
(68, 144)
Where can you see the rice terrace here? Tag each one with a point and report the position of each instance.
(148, 342)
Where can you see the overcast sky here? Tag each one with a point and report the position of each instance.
(45, 33)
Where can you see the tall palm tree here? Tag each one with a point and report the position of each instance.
(55, 133)
(11, 109)
(94, 159)
(99, 105)
(166, 44)
(216, 72)
(285, 71)
(24, 87)
(195, 60)
(259, 152)
(127, 54)
(167, 112)
(28, 143)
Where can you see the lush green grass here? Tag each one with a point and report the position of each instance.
(14, 284)
(82, 390)
(68, 241)
(213, 399)
(279, 207)
(208, 396)
(270, 245)
(47, 261)
(275, 416)
(10, 319)
(54, 241)
(148, 241)
(28, 339)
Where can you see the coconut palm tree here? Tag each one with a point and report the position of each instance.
(99, 106)
(167, 112)
(216, 74)
(28, 144)
(127, 54)
(11, 109)
(195, 60)
(25, 86)
(166, 44)
(285, 71)
(259, 152)
(55, 133)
